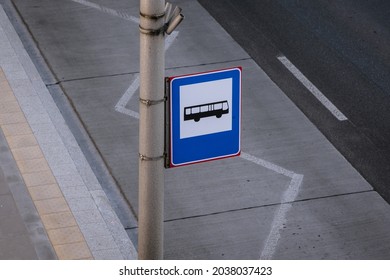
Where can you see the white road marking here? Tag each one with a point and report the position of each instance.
(121, 105)
(312, 88)
(296, 179)
(280, 218)
(108, 10)
(268, 165)
(288, 197)
(170, 39)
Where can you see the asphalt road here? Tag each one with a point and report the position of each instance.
(342, 47)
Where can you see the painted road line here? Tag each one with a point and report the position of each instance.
(268, 165)
(106, 10)
(312, 88)
(288, 197)
(280, 218)
(121, 105)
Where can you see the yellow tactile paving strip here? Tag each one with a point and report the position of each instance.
(57, 218)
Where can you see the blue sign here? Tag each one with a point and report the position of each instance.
(205, 116)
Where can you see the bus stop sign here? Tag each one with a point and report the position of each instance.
(205, 116)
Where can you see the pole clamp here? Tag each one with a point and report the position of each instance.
(149, 102)
(154, 17)
(146, 158)
(153, 32)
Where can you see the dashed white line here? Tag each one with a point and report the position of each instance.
(312, 88)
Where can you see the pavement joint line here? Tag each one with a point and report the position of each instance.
(211, 63)
(89, 78)
(261, 206)
(24, 72)
(312, 88)
(136, 72)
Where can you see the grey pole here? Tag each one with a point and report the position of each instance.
(151, 130)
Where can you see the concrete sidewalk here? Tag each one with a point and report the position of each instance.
(290, 195)
(52, 205)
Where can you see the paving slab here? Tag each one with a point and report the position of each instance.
(21, 232)
(231, 235)
(352, 226)
(80, 31)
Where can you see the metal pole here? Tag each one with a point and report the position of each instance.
(151, 130)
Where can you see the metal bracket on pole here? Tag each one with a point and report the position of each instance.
(146, 158)
(172, 20)
(149, 102)
(153, 32)
(155, 17)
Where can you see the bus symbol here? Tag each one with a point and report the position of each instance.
(206, 110)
